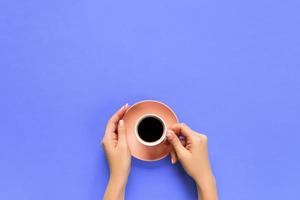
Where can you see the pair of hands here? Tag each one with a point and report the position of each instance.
(189, 147)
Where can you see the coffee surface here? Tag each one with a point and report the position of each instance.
(150, 129)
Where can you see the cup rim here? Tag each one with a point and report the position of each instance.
(157, 142)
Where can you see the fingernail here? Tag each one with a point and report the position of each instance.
(121, 122)
(169, 134)
(172, 160)
(126, 105)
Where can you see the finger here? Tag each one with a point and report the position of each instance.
(174, 140)
(113, 121)
(122, 133)
(173, 153)
(173, 156)
(182, 129)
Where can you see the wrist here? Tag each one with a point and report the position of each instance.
(115, 189)
(206, 187)
(203, 178)
(118, 181)
(205, 181)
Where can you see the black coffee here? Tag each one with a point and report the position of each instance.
(150, 129)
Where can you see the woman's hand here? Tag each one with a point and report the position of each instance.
(190, 148)
(118, 155)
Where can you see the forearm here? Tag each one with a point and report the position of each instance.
(206, 188)
(115, 189)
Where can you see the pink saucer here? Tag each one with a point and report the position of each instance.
(133, 114)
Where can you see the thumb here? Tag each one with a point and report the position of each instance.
(174, 140)
(122, 132)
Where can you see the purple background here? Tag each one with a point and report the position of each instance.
(230, 69)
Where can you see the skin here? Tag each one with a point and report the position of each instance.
(192, 152)
(118, 155)
(189, 148)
